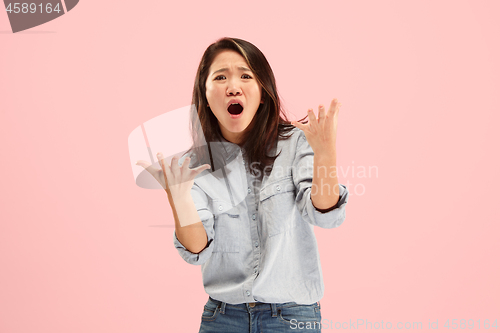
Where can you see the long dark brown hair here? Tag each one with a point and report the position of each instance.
(269, 125)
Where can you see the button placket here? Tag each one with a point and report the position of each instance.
(253, 202)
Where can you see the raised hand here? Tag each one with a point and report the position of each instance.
(176, 180)
(321, 133)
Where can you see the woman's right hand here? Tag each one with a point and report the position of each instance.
(176, 180)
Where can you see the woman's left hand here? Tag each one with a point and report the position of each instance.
(321, 133)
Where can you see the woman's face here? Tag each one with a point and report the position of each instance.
(229, 83)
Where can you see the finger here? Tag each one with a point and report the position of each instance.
(184, 169)
(331, 113)
(175, 166)
(200, 169)
(149, 167)
(321, 114)
(331, 109)
(143, 164)
(166, 170)
(185, 163)
(312, 120)
(161, 160)
(299, 125)
(311, 116)
(334, 107)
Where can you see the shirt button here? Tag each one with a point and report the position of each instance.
(220, 207)
(278, 188)
(253, 217)
(256, 244)
(255, 270)
(249, 190)
(248, 293)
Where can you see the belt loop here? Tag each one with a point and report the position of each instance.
(273, 310)
(222, 307)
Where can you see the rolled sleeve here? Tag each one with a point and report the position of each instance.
(330, 219)
(302, 177)
(201, 203)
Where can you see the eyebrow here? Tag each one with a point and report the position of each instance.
(225, 69)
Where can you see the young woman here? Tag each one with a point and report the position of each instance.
(249, 220)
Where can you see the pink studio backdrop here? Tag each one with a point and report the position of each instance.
(84, 249)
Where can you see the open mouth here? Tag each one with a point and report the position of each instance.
(235, 109)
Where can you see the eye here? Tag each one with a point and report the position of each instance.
(246, 76)
(220, 77)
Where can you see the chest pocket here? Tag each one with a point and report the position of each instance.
(227, 227)
(277, 206)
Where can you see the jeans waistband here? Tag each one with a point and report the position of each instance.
(255, 306)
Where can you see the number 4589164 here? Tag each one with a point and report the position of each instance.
(31, 8)
(464, 324)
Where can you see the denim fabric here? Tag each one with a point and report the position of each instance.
(260, 229)
(220, 317)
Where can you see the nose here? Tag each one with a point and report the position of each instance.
(234, 93)
(233, 88)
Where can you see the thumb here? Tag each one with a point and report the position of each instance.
(148, 166)
(143, 164)
(298, 125)
(196, 171)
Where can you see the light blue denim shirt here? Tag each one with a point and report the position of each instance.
(260, 230)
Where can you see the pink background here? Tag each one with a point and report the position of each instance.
(83, 249)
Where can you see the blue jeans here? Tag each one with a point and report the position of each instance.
(220, 317)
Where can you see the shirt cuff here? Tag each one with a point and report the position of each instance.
(339, 203)
(334, 215)
(194, 258)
